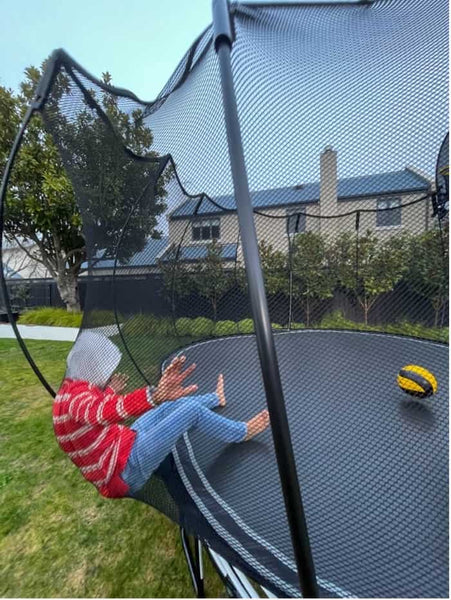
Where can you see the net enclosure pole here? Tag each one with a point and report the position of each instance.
(223, 39)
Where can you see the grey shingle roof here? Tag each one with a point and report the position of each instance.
(394, 182)
(10, 273)
(146, 258)
(199, 251)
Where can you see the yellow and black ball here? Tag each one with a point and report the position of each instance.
(417, 381)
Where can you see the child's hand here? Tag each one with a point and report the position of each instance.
(118, 382)
(170, 385)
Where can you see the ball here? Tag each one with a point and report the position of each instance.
(417, 381)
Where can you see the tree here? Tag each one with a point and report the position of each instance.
(428, 268)
(312, 278)
(210, 279)
(274, 267)
(177, 279)
(110, 186)
(368, 268)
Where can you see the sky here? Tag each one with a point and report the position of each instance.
(140, 42)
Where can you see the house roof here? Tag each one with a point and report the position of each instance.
(351, 188)
(196, 252)
(10, 273)
(147, 257)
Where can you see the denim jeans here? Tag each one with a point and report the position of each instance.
(158, 430)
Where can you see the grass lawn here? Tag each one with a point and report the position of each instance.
(58, 536)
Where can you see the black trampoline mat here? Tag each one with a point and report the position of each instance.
(372, 462)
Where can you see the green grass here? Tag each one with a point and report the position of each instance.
(58, 537)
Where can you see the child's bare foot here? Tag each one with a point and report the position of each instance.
(220, 390)
(257, 424)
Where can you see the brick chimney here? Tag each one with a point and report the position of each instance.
(328, 182)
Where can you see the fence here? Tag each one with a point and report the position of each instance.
(147, 294)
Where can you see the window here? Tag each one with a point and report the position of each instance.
(207, 229)
(388, 212)
(296, 223)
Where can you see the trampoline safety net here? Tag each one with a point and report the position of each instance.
(343, 115)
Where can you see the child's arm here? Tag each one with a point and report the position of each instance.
(94, 407)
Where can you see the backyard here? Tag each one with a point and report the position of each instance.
(58, 537)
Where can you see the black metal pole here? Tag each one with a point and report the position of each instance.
(223, 38)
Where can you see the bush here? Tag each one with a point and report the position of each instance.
(418, 330)
(202, 327)
(47, 315)
(183, 326)
(100, 318)
(246, 326)
(225, 328)
(337, 320)
(148, 324)
(297, 326)
(276, 326)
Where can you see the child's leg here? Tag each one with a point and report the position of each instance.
(149, 419)
(152, 446)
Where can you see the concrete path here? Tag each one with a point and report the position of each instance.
(40, 332)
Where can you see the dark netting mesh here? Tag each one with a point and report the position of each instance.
(343, 112)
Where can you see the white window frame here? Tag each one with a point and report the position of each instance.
(201, 223)
(388, 201)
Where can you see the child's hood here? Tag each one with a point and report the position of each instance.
(93, 358)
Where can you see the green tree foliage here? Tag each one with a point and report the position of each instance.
(274, 267)
(428, 268)
(110, 186)
(368, 268)
(177, 278)
(312, 279)
(210, 279)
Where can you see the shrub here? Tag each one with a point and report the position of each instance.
(163, 327)
(297, 326)
(100, 318)
(276, 326)
(246, 326)
(225, 328)
(47, 315)
(149, 324)
(183, 326)
(337, 320)
(418, 330)
(202, 327)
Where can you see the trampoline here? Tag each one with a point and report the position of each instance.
(374, 463)
(280, 214)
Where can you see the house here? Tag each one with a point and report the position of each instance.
(282, 212)
(143, 262)
(18, 261)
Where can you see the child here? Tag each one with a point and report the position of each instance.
(88, 412)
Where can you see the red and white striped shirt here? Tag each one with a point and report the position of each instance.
(86, 420)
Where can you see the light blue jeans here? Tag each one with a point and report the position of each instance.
(159, 429)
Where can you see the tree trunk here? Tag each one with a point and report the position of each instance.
(307, 312)
(366, 310)
(67, 284)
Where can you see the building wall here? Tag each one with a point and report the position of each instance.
(18, 260)
(414, 220)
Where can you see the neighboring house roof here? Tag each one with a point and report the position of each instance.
(351, 188)
(147, 257)
(10, 273)
(199, 251)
